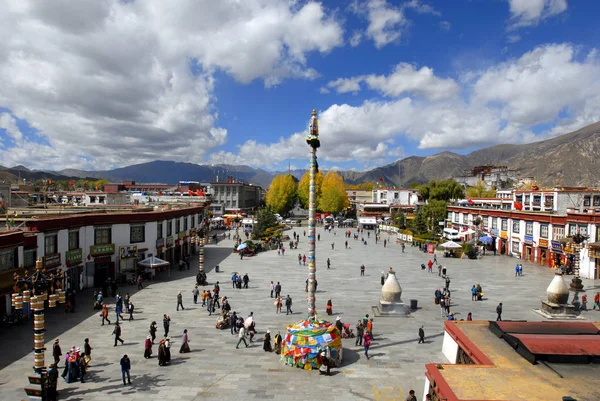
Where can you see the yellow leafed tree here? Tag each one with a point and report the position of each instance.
(303, 189)
(333, 194)
(281, 194)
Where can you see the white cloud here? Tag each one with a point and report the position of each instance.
(356, 38)
(387, 22)
(505, 103)
(422, 8)
(541, 84)
(9, 124)
(112, 80)
(513, 38)
(531, 12)
(405, 78)
(345, 85)
(445, 25)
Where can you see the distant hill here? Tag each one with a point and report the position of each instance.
(170, 172)
(576, 155)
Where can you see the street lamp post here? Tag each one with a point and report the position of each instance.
(35, 289)
(313, 142)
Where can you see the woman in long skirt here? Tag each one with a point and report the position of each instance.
(184, 343)
(277, 341)
(148, 347)
(267, 342)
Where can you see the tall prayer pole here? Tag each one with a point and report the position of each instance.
(313, 141)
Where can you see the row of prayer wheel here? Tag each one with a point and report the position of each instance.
(201, 253)
(37, 306)
(37, 302)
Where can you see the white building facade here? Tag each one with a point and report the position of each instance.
(542, 238)
(91, 248)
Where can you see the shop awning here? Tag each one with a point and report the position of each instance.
(594, 244)
(153, 262)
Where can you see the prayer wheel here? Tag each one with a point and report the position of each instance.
(38, 322)
(37, 303)
(12, 299)
(18, 302)
(38, 340)
(53, 299)
(26, 296)
(62, 297)
(38, 360)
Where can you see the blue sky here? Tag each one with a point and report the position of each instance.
(99, 85)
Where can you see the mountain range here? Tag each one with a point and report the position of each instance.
(575, 157)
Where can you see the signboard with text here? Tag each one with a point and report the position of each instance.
(74, 257)
(170, 241)
(503, 234)
(160, 243)
(557, 246)
(528, 239)
(544, 243)
(105, 249)
(128, 251)
(52, 260)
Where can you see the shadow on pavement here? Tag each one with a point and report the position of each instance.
(17, 339)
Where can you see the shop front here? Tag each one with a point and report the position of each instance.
(594, 254)
(503, 243)
(104, 267)
(558, 257)
(543, 256)
(170, 250)
(73, 261)
(527, 253)
(160, 248)
(128, 256)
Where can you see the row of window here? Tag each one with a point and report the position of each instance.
(103, 235)
(557, 231)
(537, 199)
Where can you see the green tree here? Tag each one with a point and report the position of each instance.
(399, 218)
(265, 219)
(435, 211)
(282, 193)
(333, 194)
(303, 190)
(480, 190)
(441, 190)
(418, 224)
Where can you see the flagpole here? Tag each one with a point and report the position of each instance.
(313, 141)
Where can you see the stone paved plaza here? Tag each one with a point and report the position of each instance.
(216, 370)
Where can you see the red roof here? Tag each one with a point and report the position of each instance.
(588, 345)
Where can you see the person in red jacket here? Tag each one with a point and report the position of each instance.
(430, 266)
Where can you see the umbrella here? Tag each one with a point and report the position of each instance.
(153, 262)
(242, 246)
(451, 245)
(248, 322)
(467, 232)
(486, 240)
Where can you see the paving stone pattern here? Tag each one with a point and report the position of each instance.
(215, 369)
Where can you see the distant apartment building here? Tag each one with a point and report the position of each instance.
(131, 186)
(235, 197)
